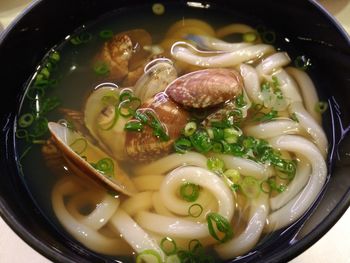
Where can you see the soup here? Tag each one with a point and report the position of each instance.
(191, 142)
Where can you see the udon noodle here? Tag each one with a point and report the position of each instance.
(190, 202)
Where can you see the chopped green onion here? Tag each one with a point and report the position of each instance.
(49, 104)
(182, 145)
(231, 135)
(190, 128)
(79, 145)
(239, 101)
(82, 38)
(54, 57)
(233, 175)
(321, 106)
(158, 127)
(101, 68)
(217, 147)
(249, 37)
(218, 134)
(25, 120)
(215, 164)
(294, 117)
(195, 210)
(269, 37)
(148, 255)
(22, 134)
(195, 246)
(201, 141)
(302, 62)
(158, 8)
(143, 118)
(168, 245)
(35, 93)
(189, 192)
(105, 166)
(39, 127)
(218, 224)
(106, 34)
(250, 187)
(125, 94)
(133, 126)
(128, 107)
(267, 116)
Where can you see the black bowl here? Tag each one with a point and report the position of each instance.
(312, 30)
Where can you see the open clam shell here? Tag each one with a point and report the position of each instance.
(84, 156)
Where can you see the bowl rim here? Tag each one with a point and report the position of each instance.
(285, 254)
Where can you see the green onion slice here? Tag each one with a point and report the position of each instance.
(219, 227)
(269, 37)
(250, 37)
(168, 245)
(195, 210)
(105, 166)
(200, 141)
(101, 68)
(190, 128)
(182, 145)
(25, 120)
(148, 255)
(250, 187)
(106, 34)
(189, 192)
(133, 126)
(79, 145)
(321, 106)
(215, 164)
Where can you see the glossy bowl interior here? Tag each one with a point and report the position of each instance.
(46, 23)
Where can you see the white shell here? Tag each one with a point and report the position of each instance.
(112, 140)
(65, 137)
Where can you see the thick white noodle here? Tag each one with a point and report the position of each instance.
(103, 210)
(199, 176)
(297, 206)
(251, 83)
(138, 202)
(172, 226)
(273, 128)
(308, 91)
(241, 244)
(294, 187)
(136, 237)
(246, 166)
(158, 205)
(212, 43)
(272, 63)
(288, 86)
(229, 59)
(311, 126)
(171, 162)
(91, 238)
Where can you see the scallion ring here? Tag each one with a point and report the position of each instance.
(168, 245)
(269, 37)
(250, 187)
(215, 164)
(182, 145)
(321, 106)
(218, 223)
(189, 192)
(133, 126)
(249, 37)
(190, 128)
(22, 134)
(148, 255)
(79, 145)
(25, 120)
(105, 166)
(195, 210)
(106, 34)
(101, 68)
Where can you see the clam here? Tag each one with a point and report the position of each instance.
(144, 145)
(205, 88)
(89, 160)
(157, 76)
(102, 120)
